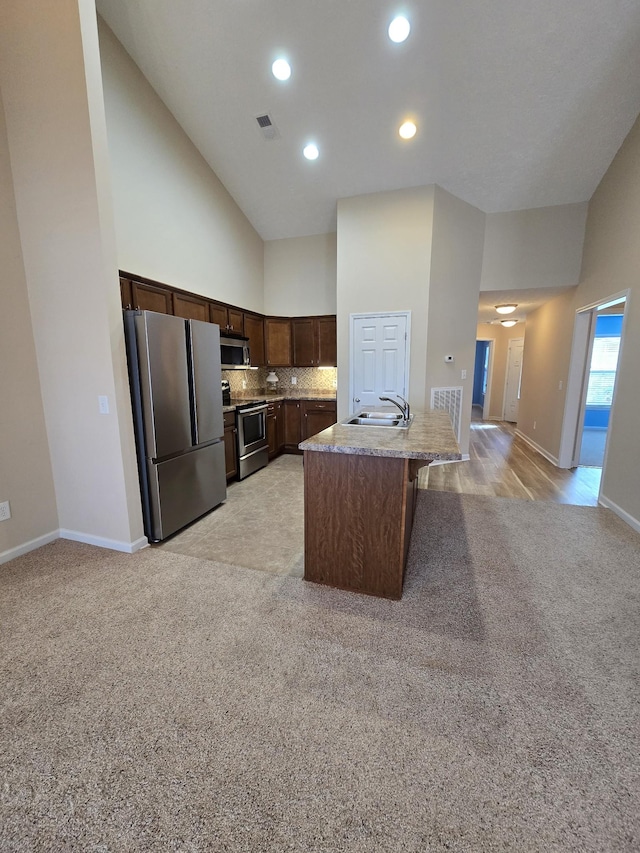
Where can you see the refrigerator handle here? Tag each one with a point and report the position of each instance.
(192, 391)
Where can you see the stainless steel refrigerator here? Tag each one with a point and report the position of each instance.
(174, 371)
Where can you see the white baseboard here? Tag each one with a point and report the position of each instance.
(31, 545)
(536, 447)
(603, 500)
(99, 541)
(102, 542)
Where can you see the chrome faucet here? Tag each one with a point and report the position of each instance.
(406, 411)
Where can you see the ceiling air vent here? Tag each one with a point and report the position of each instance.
(268, 128)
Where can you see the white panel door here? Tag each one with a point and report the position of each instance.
(514, 375)
(379, 358)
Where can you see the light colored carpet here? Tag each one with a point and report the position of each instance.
(160, 702)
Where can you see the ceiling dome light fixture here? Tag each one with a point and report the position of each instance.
(508, 323)
(407, 130)
(506, 309)
(399, 29)
(310, 151)
(281, 69)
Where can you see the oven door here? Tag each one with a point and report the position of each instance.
(252, 429)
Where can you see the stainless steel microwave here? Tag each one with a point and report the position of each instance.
(234, 353)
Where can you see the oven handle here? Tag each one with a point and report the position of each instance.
(252, 410)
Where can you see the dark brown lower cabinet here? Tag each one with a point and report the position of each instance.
(316, 416)
(304, 418)
(358, 515)
(230, 447)
(292, 425)
(275, 428)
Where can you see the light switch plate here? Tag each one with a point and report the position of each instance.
(5, 511)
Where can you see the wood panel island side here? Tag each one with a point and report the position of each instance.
(360, 486)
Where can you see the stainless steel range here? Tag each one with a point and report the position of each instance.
(253, 448)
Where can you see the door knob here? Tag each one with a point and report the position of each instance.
(356, 399)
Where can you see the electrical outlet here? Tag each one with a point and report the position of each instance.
(463, 374)
(335, 383)
(560, 385)
(5, 511)
(103, 404)
(244, 384)
(534, 424)
(294, 380)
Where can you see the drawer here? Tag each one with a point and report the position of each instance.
(328, 406)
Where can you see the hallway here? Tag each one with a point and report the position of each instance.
(502, 464)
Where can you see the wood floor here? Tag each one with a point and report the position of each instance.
(503, 465)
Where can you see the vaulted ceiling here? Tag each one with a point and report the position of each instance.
(518, 103)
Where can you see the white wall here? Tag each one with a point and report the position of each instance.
(52, 99)
(533, 248)
(384, 262)
(26, 480)
(456, 265)
(612, 264)
(175, 222)
(300, 275)
(545, 367)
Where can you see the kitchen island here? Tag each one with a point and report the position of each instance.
(360, 486)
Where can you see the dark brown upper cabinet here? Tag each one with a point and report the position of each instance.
(229, 319)
(190, 307)
(303, 341)
(151, 297)
(277, 332)
(254, 330)
(273, 341)
(327, 341)
(314, 341)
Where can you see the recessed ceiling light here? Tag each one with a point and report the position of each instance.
(506, 309)
(407, 130)
(281, 69)
(399, 29)
(310, 151)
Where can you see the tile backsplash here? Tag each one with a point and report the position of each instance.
(308, 379)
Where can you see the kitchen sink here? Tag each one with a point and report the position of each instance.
(378, 419)
(391, 416)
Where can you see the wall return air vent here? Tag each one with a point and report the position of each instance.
(450, 400)
(267, 126)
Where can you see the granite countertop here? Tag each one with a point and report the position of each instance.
(429, 437)
(271, 396)
(302, 394)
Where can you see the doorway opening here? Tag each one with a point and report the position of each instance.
(603, 365)
(482, 377)
(591, 384)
